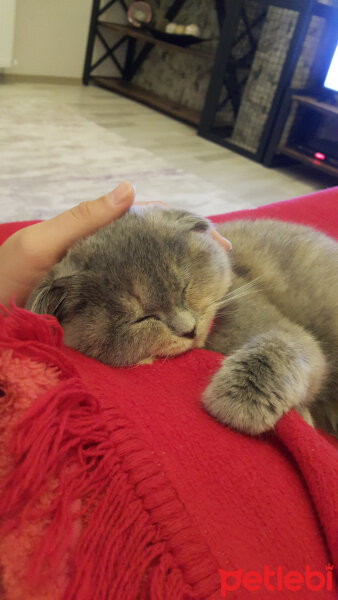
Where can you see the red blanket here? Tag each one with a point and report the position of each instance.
(116, 485)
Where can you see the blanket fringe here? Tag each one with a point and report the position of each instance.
(320, 471)
(63, 444)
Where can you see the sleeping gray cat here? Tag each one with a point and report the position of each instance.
(151, 283)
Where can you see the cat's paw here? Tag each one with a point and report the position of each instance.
(245, 395)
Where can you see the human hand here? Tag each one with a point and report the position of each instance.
(30, 252)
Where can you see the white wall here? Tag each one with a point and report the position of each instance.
(7, 21)
(50, 37)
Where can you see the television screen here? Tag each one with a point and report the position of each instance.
(331, 80)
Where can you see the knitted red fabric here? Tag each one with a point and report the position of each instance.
(119, 486)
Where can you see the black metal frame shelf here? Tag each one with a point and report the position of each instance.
(134, 60)
(222, 66)
(330, 14)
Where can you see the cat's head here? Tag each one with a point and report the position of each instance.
(147, 285)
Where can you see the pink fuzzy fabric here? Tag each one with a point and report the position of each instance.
(22, 381)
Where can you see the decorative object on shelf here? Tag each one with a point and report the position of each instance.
(180, 39)
(192, 29)
(139, 13)
(180, 29)
(171, 28)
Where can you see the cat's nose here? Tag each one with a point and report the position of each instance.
(183, 324)
(190, 334)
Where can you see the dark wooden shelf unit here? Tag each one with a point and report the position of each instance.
(307, 96)
(307, 160)
(119, 85)
(323, 107)
(139, 43)
(293, 152)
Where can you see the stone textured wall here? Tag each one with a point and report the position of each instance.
(302, 74)
(264, 77)
(181, 77)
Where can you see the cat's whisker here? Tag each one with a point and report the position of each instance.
(219, 300)
(250, 284)
(224, 309)
(239, 295)
(244, 290)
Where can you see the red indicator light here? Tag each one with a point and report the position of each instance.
(320, 155)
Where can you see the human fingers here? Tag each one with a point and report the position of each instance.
(30, 252)
(55, 236)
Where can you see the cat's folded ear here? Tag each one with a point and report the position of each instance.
(190, 222)
(181, 219)
(51, 297)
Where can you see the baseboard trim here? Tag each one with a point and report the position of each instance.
(16, 78)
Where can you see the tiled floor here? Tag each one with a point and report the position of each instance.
(179, 145)
(61, 144)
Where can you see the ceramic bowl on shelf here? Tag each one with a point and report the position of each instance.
(139, 13)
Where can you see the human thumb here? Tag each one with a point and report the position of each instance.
(60, 232)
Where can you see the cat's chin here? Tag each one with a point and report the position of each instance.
(176, 349)
(180, 347)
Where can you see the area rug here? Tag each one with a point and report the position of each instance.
(52, 158)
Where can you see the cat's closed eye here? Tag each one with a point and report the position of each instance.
(146, 317)
(185, 290)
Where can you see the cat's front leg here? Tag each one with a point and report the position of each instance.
(272, 373)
